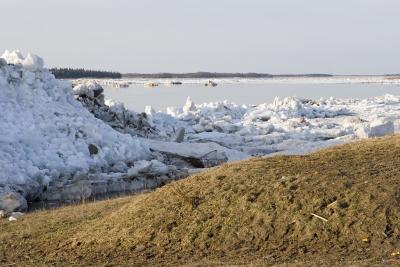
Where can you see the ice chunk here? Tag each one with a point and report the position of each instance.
(381, 127)
(30, 62)
(196, 150)
(14, 216)
(150, 167)
(12, 201)
(33, 62)
(376, 128)
(149, 111)
(158, 167)
(90, 89)
(189, 105)
(180, 135)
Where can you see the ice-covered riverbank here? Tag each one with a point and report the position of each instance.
(59, 143)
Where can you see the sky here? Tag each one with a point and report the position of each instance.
(270, 36)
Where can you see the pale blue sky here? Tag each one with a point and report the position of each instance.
(273, 36)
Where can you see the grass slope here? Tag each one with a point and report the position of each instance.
(253, 212)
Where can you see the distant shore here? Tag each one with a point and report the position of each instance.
(214, 75)
(69, 73)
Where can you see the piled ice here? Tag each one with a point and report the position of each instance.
(30, 62)
(90, 94)
(47, 136)
(59, 143)
(161, 132)
(290, 125)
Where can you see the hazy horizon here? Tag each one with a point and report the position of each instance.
(264, 36)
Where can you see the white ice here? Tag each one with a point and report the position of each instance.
(290, 125)
(45, 132)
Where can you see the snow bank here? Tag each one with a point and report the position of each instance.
(45, 133)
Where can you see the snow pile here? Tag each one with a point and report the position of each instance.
(46, 134)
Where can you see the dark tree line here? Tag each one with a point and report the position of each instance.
(69, 73)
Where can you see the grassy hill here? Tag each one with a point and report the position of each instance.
(334, 207)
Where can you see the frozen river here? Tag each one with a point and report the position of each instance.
(136, 96)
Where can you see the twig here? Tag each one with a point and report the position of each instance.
(332, 204)
(319, 217)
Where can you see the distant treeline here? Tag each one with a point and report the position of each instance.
(210, 75)
(69, 73)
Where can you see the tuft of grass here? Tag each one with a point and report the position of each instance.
(257, 212)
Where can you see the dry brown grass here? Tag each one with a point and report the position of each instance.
(256, 213)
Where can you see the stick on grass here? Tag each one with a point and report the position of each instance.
(319, 217)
